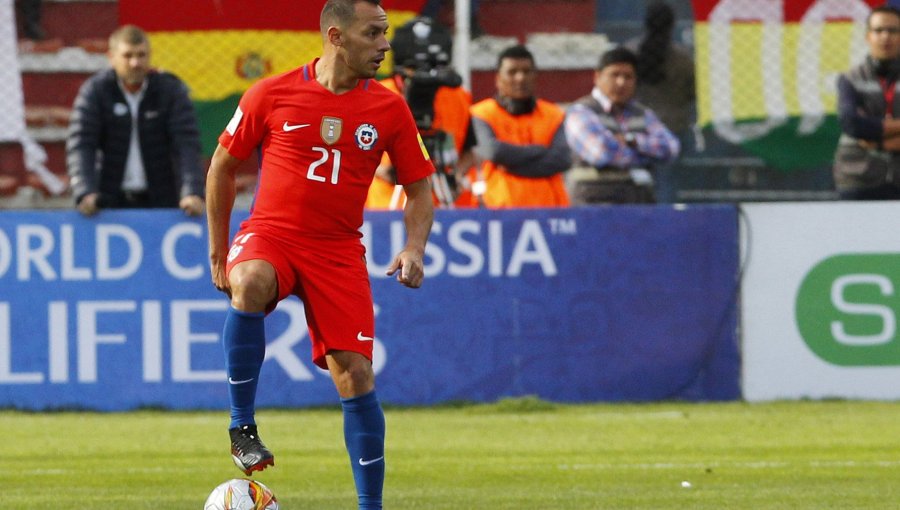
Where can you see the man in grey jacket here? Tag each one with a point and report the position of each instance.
(133, 140)
(867, 162)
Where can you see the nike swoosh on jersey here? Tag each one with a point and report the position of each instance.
(287, 127)
(232, 381)
(361, 338)
(367, 462)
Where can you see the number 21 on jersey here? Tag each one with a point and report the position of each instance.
(335, 165)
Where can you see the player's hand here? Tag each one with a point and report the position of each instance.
(88, 204)
(192, 205)
(410, 268)
(219, 279)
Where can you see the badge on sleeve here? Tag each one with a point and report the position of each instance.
(235, 120)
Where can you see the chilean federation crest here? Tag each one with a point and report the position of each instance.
(366, 136)
(330, 130)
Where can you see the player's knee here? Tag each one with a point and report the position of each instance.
(252, 288)
(361, 378)
(355, 379)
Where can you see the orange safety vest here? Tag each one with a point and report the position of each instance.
(505, 189)
(451, 115)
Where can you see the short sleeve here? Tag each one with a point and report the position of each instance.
(407, 152)
(247, 126)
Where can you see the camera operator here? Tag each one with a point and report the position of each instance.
(440, 107)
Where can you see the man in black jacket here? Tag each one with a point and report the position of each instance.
(133, 140)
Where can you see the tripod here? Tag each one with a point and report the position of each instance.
(443, 156)
(443, 183)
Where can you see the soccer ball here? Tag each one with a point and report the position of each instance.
(241, 494)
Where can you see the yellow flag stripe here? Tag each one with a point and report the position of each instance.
(790, 74)
(220, 63)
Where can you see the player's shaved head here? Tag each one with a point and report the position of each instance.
(340, 13)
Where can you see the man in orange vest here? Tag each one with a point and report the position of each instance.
(521, 141)
(446, 130)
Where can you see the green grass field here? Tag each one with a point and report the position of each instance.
(519, 454)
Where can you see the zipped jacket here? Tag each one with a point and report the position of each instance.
(100, 134)
(861, 110)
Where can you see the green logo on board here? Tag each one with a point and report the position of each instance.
(847, 307)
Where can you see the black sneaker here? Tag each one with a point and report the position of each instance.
(248, 451)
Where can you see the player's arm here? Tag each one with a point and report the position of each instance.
(418, 216)
(220, 194)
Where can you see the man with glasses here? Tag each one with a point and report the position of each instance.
(867, 162)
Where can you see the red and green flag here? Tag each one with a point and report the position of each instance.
(221, 47)
(767, 73)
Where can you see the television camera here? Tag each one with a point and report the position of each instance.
(422, 58)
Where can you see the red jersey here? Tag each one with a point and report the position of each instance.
(319, 151)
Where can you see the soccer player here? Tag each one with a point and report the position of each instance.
(321, 130)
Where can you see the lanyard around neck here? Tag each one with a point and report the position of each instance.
(888, 89)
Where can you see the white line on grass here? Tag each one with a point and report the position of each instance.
(748, 465)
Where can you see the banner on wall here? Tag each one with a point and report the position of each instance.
(819, 301)
(766, 74)
(221, 47)
(631, 303)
